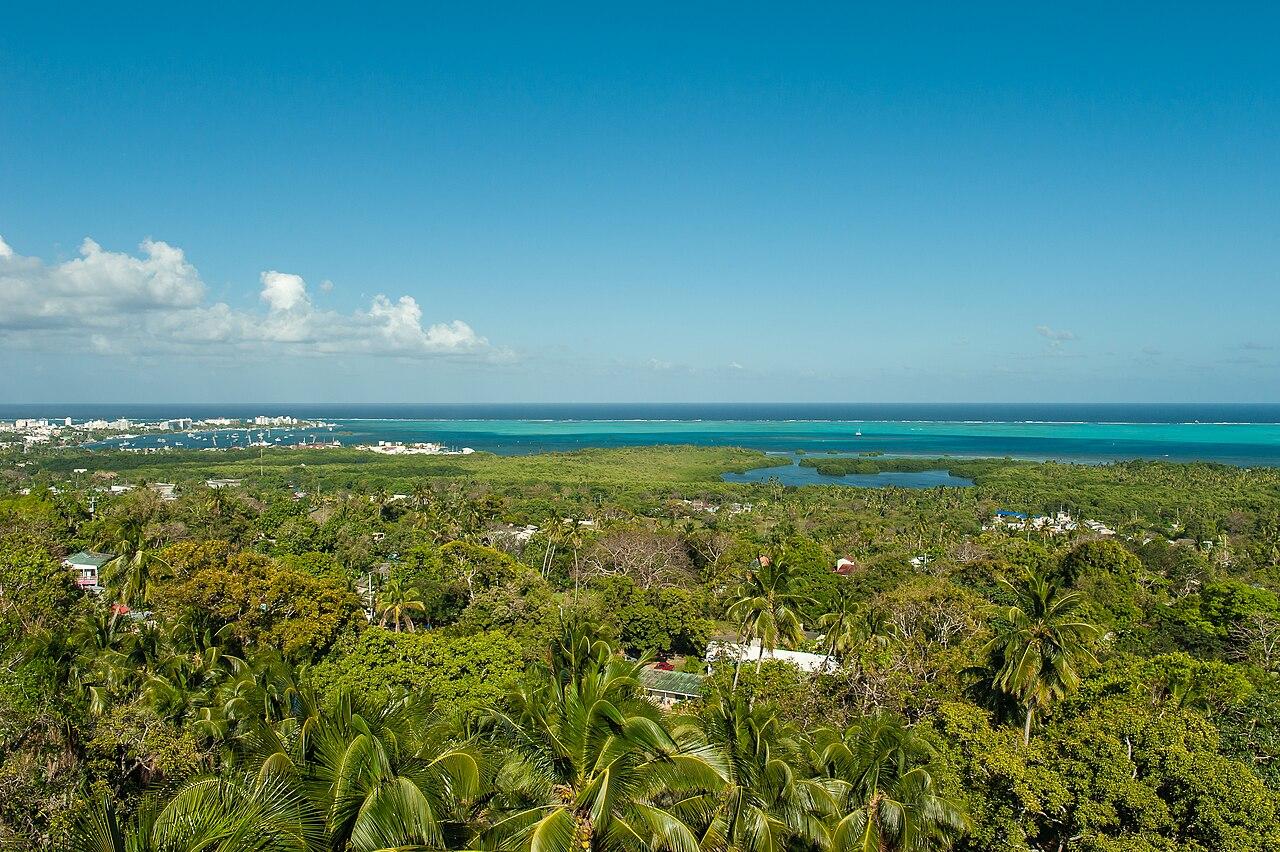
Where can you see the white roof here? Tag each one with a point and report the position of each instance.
(749, 653)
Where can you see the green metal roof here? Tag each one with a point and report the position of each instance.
(676, 683)
(85, 557)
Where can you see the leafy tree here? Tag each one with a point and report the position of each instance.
(264, 603)
(458, 673)
(36, 592)
(655, 621)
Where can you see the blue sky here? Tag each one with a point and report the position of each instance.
(677, 202)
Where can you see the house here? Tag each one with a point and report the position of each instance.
(736, 651)
(168, 491)
(845, 567)
(667, 687)
(84, 566)
(222, 483)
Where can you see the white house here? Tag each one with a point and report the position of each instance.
(84, 566)
(222, 483)
(736, 651)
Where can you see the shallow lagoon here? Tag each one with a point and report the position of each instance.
(1246, 444)
(795, 474)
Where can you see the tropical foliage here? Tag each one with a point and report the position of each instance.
(483, 653)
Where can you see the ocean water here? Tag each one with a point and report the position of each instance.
(1240, 434)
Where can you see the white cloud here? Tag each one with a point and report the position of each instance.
(155, 304)
(284, 292)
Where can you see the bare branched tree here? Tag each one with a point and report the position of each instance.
(647, 558)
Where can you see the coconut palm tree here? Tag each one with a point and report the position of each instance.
(133, 540)
(769, 801)
(382, 780)
(889, 797)
(374, 777)
(209, 814)
(765, 608)
(592, 765)
(1040, 645)
(553, 530)
(397, 603)
(845, 629)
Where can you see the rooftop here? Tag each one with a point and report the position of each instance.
(673, 683)
(87, 557)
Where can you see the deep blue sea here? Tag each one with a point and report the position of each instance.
(1240, 434)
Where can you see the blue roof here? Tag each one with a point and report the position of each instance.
(1007, 513)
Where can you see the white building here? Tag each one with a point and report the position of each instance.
(222, 483)
(737, 652)
(168, 491)
(85, 566)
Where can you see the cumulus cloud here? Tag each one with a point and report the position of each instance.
(284, 292)
(155, 303)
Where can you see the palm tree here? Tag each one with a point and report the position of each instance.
(397, 603)
(1039, 647)
(130, 574)
(890, 798)
(383, 781)
(553, 531)
(592, 766)
(846, 629)
(765, 608)
(769, 801)
(209, 814)
(102, 664)
(133, 543)
(356, 778)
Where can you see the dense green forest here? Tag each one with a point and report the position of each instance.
(346, 651)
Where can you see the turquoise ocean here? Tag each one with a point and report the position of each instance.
(1238, 434)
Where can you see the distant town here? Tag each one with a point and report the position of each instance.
(26, 433)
